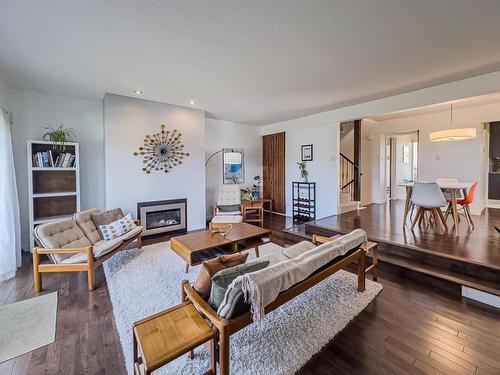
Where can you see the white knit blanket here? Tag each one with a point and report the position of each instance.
(260, 288)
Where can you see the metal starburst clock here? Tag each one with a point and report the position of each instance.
(162, 151)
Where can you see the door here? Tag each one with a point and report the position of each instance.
(273, 170)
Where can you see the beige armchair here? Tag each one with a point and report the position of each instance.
(74, 245)
(228, 208)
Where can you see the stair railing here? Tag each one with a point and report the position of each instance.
(349, 176)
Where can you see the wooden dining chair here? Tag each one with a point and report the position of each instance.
(464, 203)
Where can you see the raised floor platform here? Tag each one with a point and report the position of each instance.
(472, 259)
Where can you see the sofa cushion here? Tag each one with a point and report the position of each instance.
(228, 208)
(299, 248)
(273, 258)
(100, 248)
(106, 217)
(84, 220)
(228, 213)
(222, 279)
(138, 229)
(117, 228)
(60, 234)
(209, 268)
(227, 219)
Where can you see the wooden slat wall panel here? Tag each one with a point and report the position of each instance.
(273, 170)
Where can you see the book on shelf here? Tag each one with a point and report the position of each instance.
(45, 159)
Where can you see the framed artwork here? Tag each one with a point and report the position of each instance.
(232, 166)
(306, 152)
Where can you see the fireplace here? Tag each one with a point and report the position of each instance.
(161, 217)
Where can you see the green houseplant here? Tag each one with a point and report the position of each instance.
(256, 187)
(58, 136)
(303, 171)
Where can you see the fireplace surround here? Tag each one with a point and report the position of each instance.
(163, 217)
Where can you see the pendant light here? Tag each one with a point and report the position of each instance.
(450, 135)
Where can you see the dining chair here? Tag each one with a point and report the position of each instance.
(447, 194)
(465, 203)
(428, 197)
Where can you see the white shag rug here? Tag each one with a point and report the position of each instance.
(144, 282)
(27, 325)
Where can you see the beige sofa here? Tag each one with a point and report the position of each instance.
(74, 245)
(291, 272)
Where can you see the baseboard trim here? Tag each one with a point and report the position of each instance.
(483, 297)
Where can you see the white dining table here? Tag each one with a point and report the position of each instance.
(453, 187)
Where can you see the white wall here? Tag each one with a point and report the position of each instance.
(323, 169)
(220, 134)
(34, 110)
(462, 160)
(126, 122)
(5, 100)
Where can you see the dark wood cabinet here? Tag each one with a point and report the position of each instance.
(494, 186)
(495, 139)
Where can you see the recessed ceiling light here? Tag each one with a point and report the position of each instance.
(137, 92)
(192, 102)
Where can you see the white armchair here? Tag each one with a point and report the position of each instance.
(228, 208)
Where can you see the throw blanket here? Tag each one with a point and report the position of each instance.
(260, 288)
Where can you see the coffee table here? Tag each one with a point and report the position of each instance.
(196, 247)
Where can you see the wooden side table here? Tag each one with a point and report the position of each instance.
(169, 334)
(253, 213)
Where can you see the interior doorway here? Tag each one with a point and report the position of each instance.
(401, 162)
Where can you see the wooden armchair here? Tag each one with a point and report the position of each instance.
(73, 247)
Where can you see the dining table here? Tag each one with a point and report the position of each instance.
(453, 188)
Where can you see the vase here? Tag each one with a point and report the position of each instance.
(256, 195)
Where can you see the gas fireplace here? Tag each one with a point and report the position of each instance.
(161, 217)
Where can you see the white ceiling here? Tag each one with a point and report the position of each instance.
(441, 107)
(254, 62)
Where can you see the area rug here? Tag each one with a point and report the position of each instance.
(143, 282)
(27, 325)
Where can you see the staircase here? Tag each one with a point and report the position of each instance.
(349, 178)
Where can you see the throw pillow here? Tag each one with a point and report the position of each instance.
(105, 218)
(117, 228)
(222, 279)
(209, 268)
(229, 207)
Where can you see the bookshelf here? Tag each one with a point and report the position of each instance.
(54, 191)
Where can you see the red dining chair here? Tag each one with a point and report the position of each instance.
(465, 203)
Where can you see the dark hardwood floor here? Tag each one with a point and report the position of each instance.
(410, 328)
(384, 223)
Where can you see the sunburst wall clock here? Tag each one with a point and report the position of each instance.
(162, 151)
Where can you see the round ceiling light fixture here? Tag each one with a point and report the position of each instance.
(137, 92)
(450, 135)
(192, 102)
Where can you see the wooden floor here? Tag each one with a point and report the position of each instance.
(384, 223)
(410, 328)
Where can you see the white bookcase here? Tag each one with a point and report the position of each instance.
(54, 192)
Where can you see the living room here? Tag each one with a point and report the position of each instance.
(173, 188)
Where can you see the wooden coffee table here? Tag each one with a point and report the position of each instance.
(196, 247)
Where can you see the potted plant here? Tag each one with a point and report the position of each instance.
(58, 136)
(256, 187)
(246, 195)
(303, 171)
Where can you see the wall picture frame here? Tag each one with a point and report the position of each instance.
(306, 152)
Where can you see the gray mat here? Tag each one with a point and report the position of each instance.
(27, 325)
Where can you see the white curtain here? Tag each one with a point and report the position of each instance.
(10, 233)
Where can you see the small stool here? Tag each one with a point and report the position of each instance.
(169, 334)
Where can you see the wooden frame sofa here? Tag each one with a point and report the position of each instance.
(227, 327)
(74, 245)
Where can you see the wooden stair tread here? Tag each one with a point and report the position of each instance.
(440, 273)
